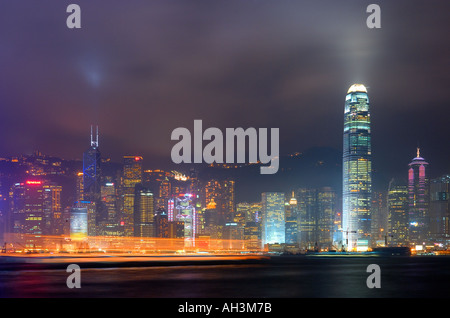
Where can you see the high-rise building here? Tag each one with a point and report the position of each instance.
(292, 224)
(397, 205)
(306, 205)
(316, 217)
(91, 171)
(79, 186)
(53, 214)
(357, 168)
(132, 175)
(440, 211)
(27, 208)
(379, 218)
(143, 212)
(161, 223)
(418, 200)
(222, 193)
(109, 200)
(273, 218)
(252, 235)
(326, 210)
(184, 211)
(90, 191)
(78, 223)
(90, 207)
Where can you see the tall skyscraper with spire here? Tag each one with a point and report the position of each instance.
(91, 182)
(418, 200)
(91, 170)
(357, 169)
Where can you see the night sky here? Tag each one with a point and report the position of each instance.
(140, 69)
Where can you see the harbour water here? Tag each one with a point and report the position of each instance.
(275, 277)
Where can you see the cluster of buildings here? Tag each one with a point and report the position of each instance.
(132, 202)
(42, 196)
(414, 213)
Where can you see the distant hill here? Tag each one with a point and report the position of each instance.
(315, 167)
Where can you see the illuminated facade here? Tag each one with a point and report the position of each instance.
(357, 168)
(273, 218)
(316, 215)
(90, 207)
(78, 223)
(222, 194)
(143, 212)
(27, 208)
(109, 200)
(132, 175)
(418, 200)
(53, 216)
(440, 210)
(185, 212)
(379, 216)
(91, 171)
(161, 224)
(397, 204)
(292, 220)
(79, 186)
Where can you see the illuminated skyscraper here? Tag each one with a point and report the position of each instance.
(90, 207)
(108, 220)
(27, 208)
(222, 193)
(292, 224)
(357, 168)
(397, 204)
(273, 218)
(418, 200)
(53, 216)
(143, 212)
(316, 215)
(440, 210)
(79, 186)
(184, 211)
(91, 171)
(132, 175)
(161, 223)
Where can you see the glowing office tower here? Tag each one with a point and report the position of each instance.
(90, 207)
(79, 186)
(144, 213)
(185, 212)
(418, 200)
(221, 192)
(27, 208)
(316, 215)
(53, 218)
(397, 203)
(440, 210)
(357, 168)
(91, 171)
(132, 175)
(273, 218)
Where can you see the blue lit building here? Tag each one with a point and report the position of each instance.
(91, 171)
(273, 218)
(357, 169)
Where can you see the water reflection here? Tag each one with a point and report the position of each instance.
(280, 278)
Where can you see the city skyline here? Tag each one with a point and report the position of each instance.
(231, 155)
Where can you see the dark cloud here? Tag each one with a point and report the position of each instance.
(142, 68)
